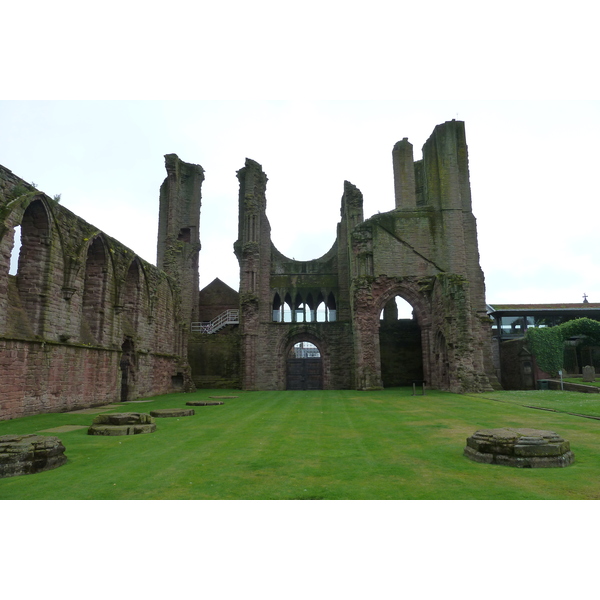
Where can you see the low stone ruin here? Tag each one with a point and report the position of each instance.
(122, 424)
(203, 403)
(525, 448)
(26, 454)
(173, 412)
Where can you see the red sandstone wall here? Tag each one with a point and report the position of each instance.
(80, 302)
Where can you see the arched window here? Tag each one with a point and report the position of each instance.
(321, 312)
(287, 309)
(310, 309)
(14, 257)
(277, 317)
(94, 288)
(396, 308)
(33, 272)
(304, 350)
(400, 345)
(331, 308)
(132, 298)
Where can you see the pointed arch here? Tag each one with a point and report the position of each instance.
(299, 309)
(287, 309)
(95, 289)
(33, 272)
(277, 308)
(304, 370)
(134, 298)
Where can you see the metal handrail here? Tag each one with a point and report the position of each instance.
(228, 317)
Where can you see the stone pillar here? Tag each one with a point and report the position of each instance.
(404, 175)
(179, 230)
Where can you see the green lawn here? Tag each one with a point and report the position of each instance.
(317, 445)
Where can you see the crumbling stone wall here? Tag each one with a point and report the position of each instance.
(425, 250)
(80, 305)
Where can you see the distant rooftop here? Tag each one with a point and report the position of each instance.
(580, 306)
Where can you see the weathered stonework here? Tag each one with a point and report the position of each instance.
(204, 403)
(525, 448)
(173, 412)
(26, 454)
(122, 424)
(425, 251)
(84, 321)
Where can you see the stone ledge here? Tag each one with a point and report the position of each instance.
(122, 424)
(172, 412)
(203, 403)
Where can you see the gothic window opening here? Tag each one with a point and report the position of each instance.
(331, 308)
(277, 306)
(395, 309)
(94, 289)
(321, 312)
(400, 345)
(287, 309)
(132, 298)
(33, 272)
(300, 310)
(14, 257)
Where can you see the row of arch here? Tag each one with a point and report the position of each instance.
(304, 308)
(84, 290)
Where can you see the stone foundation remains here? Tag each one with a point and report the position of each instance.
(204, 403)
(122, 424)
(26, 454)
(525, 448)
(173, 412)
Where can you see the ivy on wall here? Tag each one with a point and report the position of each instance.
(547, 344)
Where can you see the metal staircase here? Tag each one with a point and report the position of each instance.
(229, 317)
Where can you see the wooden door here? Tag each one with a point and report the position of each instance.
(304, 374)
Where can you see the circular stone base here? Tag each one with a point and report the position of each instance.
(26, 454)
(525, 448)
(122, 424)
(203, 403)
(172, 412)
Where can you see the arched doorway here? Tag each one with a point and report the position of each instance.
(127, 370)
(400, 344)
(304, 367)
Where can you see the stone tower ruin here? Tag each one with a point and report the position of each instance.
(424, 251)
(178, 244)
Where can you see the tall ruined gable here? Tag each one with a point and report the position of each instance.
(424, 251)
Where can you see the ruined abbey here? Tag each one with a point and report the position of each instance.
(84, 321)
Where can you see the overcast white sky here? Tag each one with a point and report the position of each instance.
(533, 165)
(319, 92)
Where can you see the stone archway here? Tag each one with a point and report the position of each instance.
(400, 345)
(304, 367)
(370, 302)
(127, 370)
